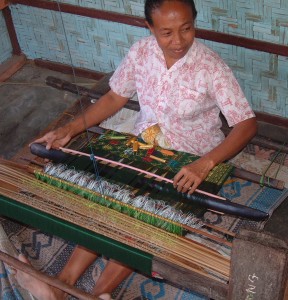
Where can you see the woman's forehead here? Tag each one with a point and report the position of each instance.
(172, 11)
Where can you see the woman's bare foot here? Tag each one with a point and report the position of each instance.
(38, 288)
(105, 296)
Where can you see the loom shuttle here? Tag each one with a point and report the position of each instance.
(230, 208)
(222, 206)
(40, 150)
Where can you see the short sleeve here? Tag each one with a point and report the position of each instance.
(229, 95)
(123, 81)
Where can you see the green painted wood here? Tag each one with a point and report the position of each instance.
(135, 258)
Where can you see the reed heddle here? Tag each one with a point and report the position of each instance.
(202, 198)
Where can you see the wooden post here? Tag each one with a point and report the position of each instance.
(3, 3)
(259, 267)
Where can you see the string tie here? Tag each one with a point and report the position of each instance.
(262, 179)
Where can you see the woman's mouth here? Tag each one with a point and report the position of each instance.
(178, 50)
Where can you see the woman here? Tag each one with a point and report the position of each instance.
(182, 86)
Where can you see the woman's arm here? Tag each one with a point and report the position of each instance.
(105, 107)
(190, 176)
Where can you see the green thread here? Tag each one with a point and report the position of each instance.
(115, 205)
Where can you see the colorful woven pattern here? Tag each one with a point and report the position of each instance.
(113, 145)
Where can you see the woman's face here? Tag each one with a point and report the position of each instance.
(173, 28)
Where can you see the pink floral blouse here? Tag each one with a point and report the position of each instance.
(184, 100)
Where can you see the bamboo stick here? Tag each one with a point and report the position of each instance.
(26, 268)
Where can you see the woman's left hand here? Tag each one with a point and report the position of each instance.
(190, 176)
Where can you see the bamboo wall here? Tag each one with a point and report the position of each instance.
(5, 44)
(100, 45)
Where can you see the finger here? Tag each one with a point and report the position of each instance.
(60, 142)
(177, 178)
(39, 141)
(51, 143)
(183, 185)
(187, 186)
(23, 258)
(194, 187)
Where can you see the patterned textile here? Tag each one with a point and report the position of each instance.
(113, 145)
(245, 193)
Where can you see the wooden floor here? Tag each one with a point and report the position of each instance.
(28, 105)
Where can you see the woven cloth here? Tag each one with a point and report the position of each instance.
(113, 145)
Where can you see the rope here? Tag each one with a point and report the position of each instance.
(92, 156)
(262, 179)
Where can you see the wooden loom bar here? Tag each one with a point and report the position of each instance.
(83, 91)
(19, 265)
(11, 30)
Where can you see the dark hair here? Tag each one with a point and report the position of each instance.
(150, 5)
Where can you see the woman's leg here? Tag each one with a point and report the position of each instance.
(113, 274)
(77, 264)
(79, 261)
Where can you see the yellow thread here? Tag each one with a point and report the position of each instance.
(167, 152)
(157, 158)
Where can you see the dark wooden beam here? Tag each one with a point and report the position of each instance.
(272, 119)
(140, 22)
(240, 41)
(83, 11)
(67, 69)
(11, 31)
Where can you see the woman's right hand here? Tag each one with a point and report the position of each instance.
(56, 138)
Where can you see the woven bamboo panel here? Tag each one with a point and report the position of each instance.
(93, 44)
(262, 76)
(5, 44)
(264, 20)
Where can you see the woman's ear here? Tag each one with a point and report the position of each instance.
(150, 27)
